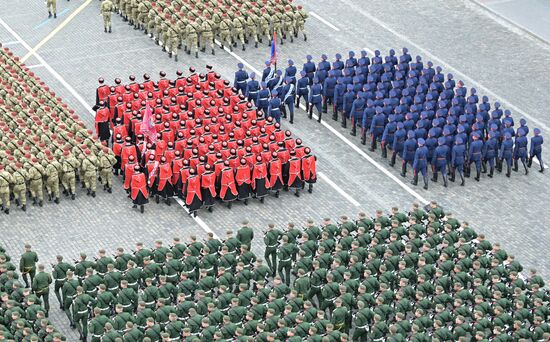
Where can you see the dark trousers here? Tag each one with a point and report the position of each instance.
(284, 272)
(271, 259)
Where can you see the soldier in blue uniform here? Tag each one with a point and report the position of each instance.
(291, 71)
(520, 151)
(274, 109)
(276, 81)
(338, 101)
(420, 163)
(302, 90)
(349, 97)
(440, 160)
(490, 151)
(338, 64)
(387, 136)
(328, 91)
(241, 77)
(252, 88)
(366, 121)
(309, 68)
(505, 153)
(263, 98)
(535, 149)
(357, 108)
(288, 95)
(458, 154)
(475, 154)
(268, 72)
(377, 127)
(315, 99)
(398, 141)
(409, 149)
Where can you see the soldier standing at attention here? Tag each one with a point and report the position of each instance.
(106, 10)
(6, 179)
(27, 264)
(41, 287)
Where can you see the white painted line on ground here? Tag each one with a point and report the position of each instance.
(322, 176)
(431, 56)
(35, 66)
(50, 69)
(324, 21)
(56, 30)
(346, 140)
(13, 42)
(197, 219)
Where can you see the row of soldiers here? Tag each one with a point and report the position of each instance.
(24, 308)
(195, 24)
(43, 143)
(421, 276)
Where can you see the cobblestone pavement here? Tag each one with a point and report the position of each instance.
(512, 211)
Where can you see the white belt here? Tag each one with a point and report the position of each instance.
(126, 305)
(83, 311)
(113, 288)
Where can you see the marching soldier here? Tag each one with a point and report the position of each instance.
(59, 275)
(41, 287)
(106, 9)
(27, 265)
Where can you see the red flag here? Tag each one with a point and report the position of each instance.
(148, 125)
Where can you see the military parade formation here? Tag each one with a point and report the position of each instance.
(205, 142)
(416, 276)
(197, 138)
(412, 110)
(45, 148)
(202, 24)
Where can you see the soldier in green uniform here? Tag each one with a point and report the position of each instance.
(36, 174)
(173, 40)
(27, 264)
(192, 33)
(81, 307)
(51, 5)
(285, 252)
(207, 33)
(106, 9)
(41, 287)
(6, 180)
(132, 333)
(96, 327)
(53, 171)
(300, 17)
(59, 274)
(106, 162)
(271, 240)
(104, 300)
(225, 32)
(89, 170)
(69, 166)
(20, 178)
(239, 25)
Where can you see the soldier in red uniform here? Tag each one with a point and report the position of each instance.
(102, 124)
(208, 187)
(294, 174)
(138, 187)
(275, 170)
(165, 188)
(102, 92)
(193, 196)
(242, 178)
(151, 171)
(128, 172)
(309, 169)
(117, 151)
(260, 184)
(128, 149)
(177, 164)
(228, 188)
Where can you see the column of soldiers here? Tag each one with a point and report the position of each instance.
(211, 143)
(418, 113)
(24, 307)
(196, 24)
(45, 148)
(418, 276)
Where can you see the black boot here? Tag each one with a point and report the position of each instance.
(445, 180)
(415, 179)
(508, 170)
(310, 188)
(229, 205)
(491, 172)
(256, 44)
(434, 178)
(105, 30)
(516, 165)
(453, 173)
(404, 169)
(175, 58)
(353, 130)
(525, 167)
(319, 119)
(425, 183)
(24, 207)
(49, 14)
(384, 151)
(363, 138)
(372, 144)
(462, 179)
(530, 162)
(344, 121)
(141, 208)
(393, 157)
(477, 175)
(335, 115)
(484, 167)
(297, 193)
(310, 113)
